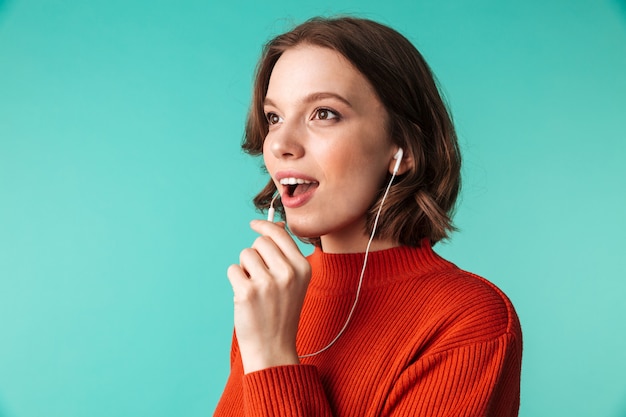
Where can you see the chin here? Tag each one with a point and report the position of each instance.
(303, 231)
(301, 234)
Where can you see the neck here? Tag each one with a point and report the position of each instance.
(354, 244)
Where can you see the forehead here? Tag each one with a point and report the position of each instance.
(308, 69)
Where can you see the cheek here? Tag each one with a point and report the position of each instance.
(362, 164)
(359, 176)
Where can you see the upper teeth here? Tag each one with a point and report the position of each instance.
(294, 181)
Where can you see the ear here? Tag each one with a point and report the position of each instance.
(406, 162)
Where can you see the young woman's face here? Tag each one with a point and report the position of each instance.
(327, 148)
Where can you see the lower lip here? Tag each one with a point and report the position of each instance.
(297, 201)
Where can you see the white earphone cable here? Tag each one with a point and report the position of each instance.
(358, 291)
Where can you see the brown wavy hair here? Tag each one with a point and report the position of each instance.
(421, 201)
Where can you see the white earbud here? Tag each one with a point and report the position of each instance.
(398, 158)
(271, 211)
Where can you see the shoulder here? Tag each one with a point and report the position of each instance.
(462, 307)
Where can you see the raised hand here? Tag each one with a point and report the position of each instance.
(269, 285)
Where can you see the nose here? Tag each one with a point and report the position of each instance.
(285, 142)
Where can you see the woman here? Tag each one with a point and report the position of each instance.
(363, 163)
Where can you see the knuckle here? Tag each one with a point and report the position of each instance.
(232, 270)
(247, 253)
(261, 241)
(284, 271)
(305, 270)
(306, 267)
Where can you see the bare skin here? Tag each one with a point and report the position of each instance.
(327, 129)
(269, 286)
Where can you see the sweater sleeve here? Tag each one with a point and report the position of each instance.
(475, 380)
(479, 379)
(290, 390)
(293, 390)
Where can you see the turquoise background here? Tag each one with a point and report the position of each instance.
(124, 195)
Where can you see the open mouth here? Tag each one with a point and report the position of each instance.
(297, 186)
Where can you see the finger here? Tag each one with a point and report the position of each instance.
(268, 250)
(279, 235)
(253, 264)
(278, 264)
(280, 252)
(238, 279)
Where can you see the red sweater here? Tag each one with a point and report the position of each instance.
(426, 339)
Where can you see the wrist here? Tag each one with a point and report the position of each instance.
(260, 360)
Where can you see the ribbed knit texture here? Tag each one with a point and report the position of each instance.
(426, 339)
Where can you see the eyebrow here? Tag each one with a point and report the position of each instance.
(313, 97)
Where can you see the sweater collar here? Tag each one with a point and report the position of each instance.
(341, 271)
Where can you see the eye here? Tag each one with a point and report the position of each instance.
(273, 118)
(326, 114)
